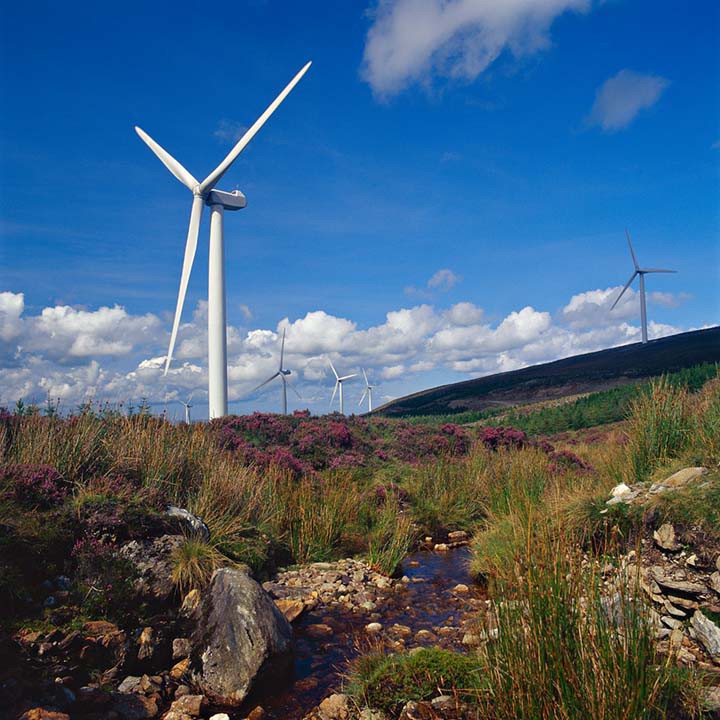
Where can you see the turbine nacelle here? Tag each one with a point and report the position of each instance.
(234, 200)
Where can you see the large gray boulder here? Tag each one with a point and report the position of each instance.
(240, 637)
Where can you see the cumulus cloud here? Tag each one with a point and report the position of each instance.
(444, 280)
(415, 40)
(621, 97)
(111, 355)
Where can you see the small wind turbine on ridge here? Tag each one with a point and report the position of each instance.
(641, 272)
(187, 407)
(219, 201)
(283, 375)
(339, 384)
(367, 391)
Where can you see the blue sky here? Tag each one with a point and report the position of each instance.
(507, 143)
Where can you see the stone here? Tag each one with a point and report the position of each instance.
(240, 635)
(181, 690)
(402, 630)
(707, 632)
(373, 628)
(676, 612)
(257, 713)
(443, 702)
(153, 561)
(191, 603)
(682, 587)
(177, 672)
(191, 523)
(43, 714)
(471, 639)
(664, 538)
(680, 478)
(461, 588)
(711, 700)
(130, 684)
(370, 714)
(457, 536)
(620, 490)
(319, 630)
(148, 644)
(681, 602)
(220, 716)
(334, 707)
(134, 707)
(181, 648)
(96, 628)
(191, 705)
(441, 547)
(291, 609)
(715, 582)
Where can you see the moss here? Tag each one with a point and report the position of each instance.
(387, 682)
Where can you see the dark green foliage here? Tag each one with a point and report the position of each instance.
(387, 682)
(600, 408)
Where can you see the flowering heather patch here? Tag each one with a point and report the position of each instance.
(495, 438)
(567, 460)
(34, 486)
(335, 442)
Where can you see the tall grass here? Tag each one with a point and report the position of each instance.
(567, 648)
(658, 427)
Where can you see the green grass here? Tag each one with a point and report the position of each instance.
(388, 681)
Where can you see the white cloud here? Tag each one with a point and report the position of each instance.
(112, 355)
(444, 280)
(229, 131)
(414, 40)
(621, 97)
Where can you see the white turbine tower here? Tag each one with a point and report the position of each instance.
(641, 272)
(339, 384)
(283, 375)
(367, 391)
(219, 201)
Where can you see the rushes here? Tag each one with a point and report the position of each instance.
(563, 649)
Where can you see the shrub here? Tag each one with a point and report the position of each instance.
(387, 682)
(495, 438)
(34, 486)
(104, 580)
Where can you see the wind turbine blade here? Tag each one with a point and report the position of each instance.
(292, 387)
(365, 376)
(632, 252)
(190, 248)
(262, 384)
(282, 350)
(362, 397)
(347, 377)
(337, 377)
(213, 178)
(168, 160)
(655, 270)
(622, 292)
(337, 383)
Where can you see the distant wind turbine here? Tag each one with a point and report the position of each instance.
(283, 375)
(339, 384)
(368, 391)
(641, 272)
(204, 194)
(187, 407)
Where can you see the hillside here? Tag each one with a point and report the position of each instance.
(591, 372)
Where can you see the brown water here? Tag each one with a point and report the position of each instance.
(425, 604)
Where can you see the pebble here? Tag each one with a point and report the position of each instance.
(373, 627)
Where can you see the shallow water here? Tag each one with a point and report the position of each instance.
(425, 604)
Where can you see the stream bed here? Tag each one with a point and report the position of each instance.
(429, 610)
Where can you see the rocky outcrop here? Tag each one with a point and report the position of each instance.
(189, 523)
(153, 561)
(240, 636)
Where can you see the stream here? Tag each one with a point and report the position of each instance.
(427, 603)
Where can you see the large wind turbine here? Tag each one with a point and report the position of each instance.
(367, 391)
(339, 384)
(219, 201)
(641, 272)
(283, 375)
